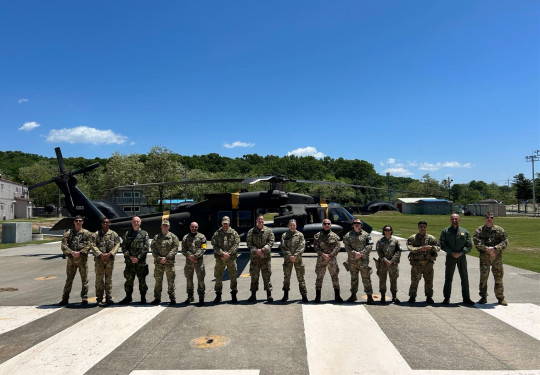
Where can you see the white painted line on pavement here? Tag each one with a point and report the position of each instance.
(522, 316)
(12, 317)
(78, 348)
(347, 340)
(195, 372)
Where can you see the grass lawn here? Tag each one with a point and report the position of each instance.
(523, 249)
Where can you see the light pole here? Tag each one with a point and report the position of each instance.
(449, 183)
(532, 158)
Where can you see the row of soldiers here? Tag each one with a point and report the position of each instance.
(490, 240)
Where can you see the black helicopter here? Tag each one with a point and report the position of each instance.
(242, 208)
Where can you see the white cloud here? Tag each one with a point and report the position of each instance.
(238, 144)
(307, 151)
(29, 126)
(455, 164)
(22, 100)
(426, 166)
(85, 134)
(391, 161)
(399, 172)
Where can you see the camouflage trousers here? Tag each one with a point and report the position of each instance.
(169, 271)
(356, 267)
(132, 270)
(419, 269)
(496, 265)
(257, 267)
(189, 269)
(300, 272)
(219, 270)
(384, 271)
(320, 270)
(74, 264)
(104, 271)
(450, 268)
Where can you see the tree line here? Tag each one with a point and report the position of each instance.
(163, 165)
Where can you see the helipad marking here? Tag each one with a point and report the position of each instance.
(522, 316)
(12, 317)
(62, 354)
(210, 341)
(48, 277)
(195, 372)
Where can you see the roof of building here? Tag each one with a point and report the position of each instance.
(413, 200)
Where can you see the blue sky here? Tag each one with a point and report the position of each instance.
(448, 88)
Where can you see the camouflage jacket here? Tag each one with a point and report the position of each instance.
(76, 241)
(135, 244)
(292, 244)
(165, 245)
(194, 244)
(490, 237)
(327, 243)
(105, 243)
(455, 241)
(416, 241)
(358, 242)
(388, 249)
(225, 242)
(260, 239)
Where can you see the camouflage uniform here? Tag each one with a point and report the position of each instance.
(76, 241)
(164, 245)
(422, 262)
(104, 243)
(135, 244)
(194, 244)
(260, 239)
(293, 244)
(456, 241)
(388, 249)
(359, 242)
(328, 243)
(225, 242)
(491, 237)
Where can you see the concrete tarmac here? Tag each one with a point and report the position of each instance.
(261, 338)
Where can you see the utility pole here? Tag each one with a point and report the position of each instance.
(532, 158)
(449, 183)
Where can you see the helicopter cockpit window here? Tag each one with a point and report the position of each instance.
(337, 214)
(244, 219)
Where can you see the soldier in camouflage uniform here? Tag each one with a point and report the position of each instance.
(490, 241)
(358, 245)
(423, 249)
(388, 263)
(164, 248)
(76, 244)
(292, 247)
(260, 240)
(105, 245)
(326, 244)
(135, 247)
(225, 242)
(193, 248)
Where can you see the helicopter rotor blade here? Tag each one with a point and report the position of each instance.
(60, 158)
(85, 169)
(39, 184)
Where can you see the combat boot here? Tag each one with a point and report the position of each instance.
(337, 297)
(503, 302)
(64, 302)
(370, 300)
(482, 300)
(395, 299)
(233, 297)
(127, 299)
(269, 296)
(285, 296)
(383, 298)
(352, 298)
(412, 300)
(143, 298)
(99, 302)
(317, 296)
(218, 297)
(189, 298)
(201, 299)
(253, 297)
(304, 298)
(172, 302)
(155, 302)
(429, 301)
(109, 301)
(84, 302)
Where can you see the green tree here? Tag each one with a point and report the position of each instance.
(43, 170)
(121, 170)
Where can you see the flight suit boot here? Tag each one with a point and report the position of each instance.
(127, 299)
(233, 297)
(383, 298)
(269, 296)
(337, 297)
(285, 296)
(253, 297)
(201, 299)
(143, 298)
(218, 297)
(317, 296)
(370, 300)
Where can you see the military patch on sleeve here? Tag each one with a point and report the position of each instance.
(203, 246)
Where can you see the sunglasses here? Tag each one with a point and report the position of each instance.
(326, 223)
(490, 217)
(355, 223)
(106, 222)
(78, 221)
